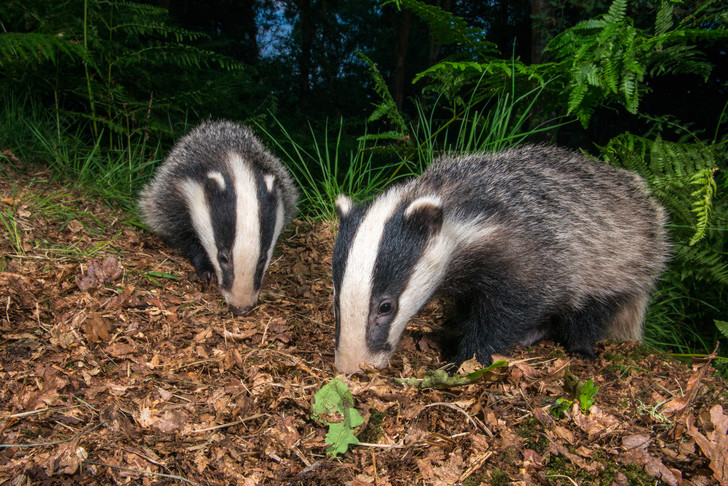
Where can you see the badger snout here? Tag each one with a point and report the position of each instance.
(240, 303)
(348, 363)
(240, 311)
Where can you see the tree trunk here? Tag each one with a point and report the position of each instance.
(304, 60)
(250, 32)
(403, 34)
(540, 13)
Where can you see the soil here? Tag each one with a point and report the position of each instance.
(118, 367)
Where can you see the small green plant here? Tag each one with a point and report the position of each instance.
(153, 276)
(586, 396)
(560, 406)
(441, 379)
(583, 391)
(333, 405)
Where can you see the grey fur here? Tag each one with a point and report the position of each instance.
(209, 157)
(571, 249)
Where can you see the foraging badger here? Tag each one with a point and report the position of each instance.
(534, 242)
(222, 199)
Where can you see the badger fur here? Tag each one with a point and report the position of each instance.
(222, 199)
(531, 243)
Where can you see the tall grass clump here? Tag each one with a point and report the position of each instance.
(324, 169)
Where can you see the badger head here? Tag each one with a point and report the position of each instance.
(237, 216)
(388, 261)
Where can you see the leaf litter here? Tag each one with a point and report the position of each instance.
(117, 366)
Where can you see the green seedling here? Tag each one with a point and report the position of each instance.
(333, 405)
(580, 390)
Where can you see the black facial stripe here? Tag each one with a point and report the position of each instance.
(267, 215)
(223, 217)
(344, 240)
(399, 251)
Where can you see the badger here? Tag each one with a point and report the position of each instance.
(530, 243)
(222, 199)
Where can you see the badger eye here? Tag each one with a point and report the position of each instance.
(223, 257)
(385, 307)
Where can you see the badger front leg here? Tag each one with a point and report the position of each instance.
(495, 325)
(482, 331)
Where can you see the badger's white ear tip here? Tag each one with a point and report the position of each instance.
(269, 180)
(343, 205)
(422, 203)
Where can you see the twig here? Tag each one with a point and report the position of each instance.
(474, 467)
(40, 410)
(230, 424)
(265, 331)
(161, 475)
(379, 446)
(41, 444)
(562, 476)
(471, 419)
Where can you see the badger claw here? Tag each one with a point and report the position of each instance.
(207, 277)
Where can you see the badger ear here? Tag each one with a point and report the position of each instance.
(215, 181)
(343, 206)
(270, 181)
(425, 213)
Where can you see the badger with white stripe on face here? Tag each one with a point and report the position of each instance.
(222, 199)
(531, 243)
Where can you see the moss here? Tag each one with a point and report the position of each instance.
(558, 465)
(475, 480)
(499, 478)
(530, 431)
(373, 430)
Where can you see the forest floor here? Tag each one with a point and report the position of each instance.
(113, 372)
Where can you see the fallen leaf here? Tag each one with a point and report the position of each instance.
(714, 444)
(99, 275)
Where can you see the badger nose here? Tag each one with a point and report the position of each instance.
(240, 311)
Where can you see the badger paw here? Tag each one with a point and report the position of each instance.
(207, 277)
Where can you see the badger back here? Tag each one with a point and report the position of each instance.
(222, 199)
(520, 236)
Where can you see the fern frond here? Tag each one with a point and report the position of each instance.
(616, 12)
(672, 171)
(36, 47)
(450, 29)
(387, 107)
(663, 20)
(702, 263)
(722, 326)
(703, 201)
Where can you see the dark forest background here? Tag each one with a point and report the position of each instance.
(354, 94)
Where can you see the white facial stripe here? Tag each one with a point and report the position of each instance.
(355, 291)
(431, 268)
(246, 247)
(194, 194)
(217, 177)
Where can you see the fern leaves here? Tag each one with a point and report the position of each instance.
(387, 107)
(703, 204)
(608, 58)
(35, 47)
(680, 175)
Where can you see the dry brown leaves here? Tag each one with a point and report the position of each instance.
(111, 375)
